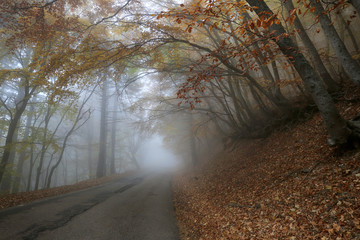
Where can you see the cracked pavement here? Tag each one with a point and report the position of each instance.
(137, 207)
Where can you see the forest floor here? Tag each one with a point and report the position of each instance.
(290, 185)
(15, 199)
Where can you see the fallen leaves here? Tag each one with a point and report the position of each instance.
(16, 199)
(288, 186)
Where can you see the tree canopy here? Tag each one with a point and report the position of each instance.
(240, 68)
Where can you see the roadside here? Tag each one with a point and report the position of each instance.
(291, 185)
(29, 220)
(15, 199)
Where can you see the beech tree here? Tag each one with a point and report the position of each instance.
(81, 116)
(319, 65)
(24, 153)
(351, 67)
(31, 27)
(356, 5)
(101, 165)
(237, 64)
(335, 124)
(270, 31)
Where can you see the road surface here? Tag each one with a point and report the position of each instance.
(138, 208)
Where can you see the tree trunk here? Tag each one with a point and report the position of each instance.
(113, 137)
(23, 154)
(239, 113)
(80, 115)
(356, 4)
(225, 123)
(47, 170)
(20, 108)
(76, 167)
(275, 88)
(349, 64)
(44, 147)
(241, 93)
(31, 167)
(335, 124)
(53, 168)
(90, 152)
(101, 167)
(350, 32)
(332, 85)
(7, 179)
(230, 118)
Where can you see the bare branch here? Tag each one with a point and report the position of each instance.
(6, 107)
(111, 16)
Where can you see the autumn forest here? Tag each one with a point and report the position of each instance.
(84, 84)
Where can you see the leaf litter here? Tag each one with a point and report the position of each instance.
(290, 185)
(15, 199)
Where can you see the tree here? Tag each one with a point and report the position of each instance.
(113, 135)
(80, 119)
(349, 64)
(319, 65)
(30, 30)
(101, 166)
(45, 144)
(356, 5)
(24, 153)
(270, 28)
(24, 95)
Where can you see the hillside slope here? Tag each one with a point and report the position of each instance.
(291, 185)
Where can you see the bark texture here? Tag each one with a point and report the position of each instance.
(24, 96)
(319, 65)
(356, 4)
(349, 64)
(101, 167)
(335, 124)
(24, 153)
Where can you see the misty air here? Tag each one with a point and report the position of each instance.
(179, 119)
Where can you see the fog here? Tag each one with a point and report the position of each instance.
(112, 118)
(155, 157)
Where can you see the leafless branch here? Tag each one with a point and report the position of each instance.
(6, 107)
(111, 16)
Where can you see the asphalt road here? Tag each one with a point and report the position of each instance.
(138, 208)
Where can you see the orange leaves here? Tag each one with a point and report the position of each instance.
(252, 25)
(286, 186)
(32, 23)
(292, 12)
(291, 19)
(264, 21)
(292, 15)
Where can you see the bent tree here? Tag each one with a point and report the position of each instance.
(349, 64)
(335, 124)
(319, 65)
(268, 29)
